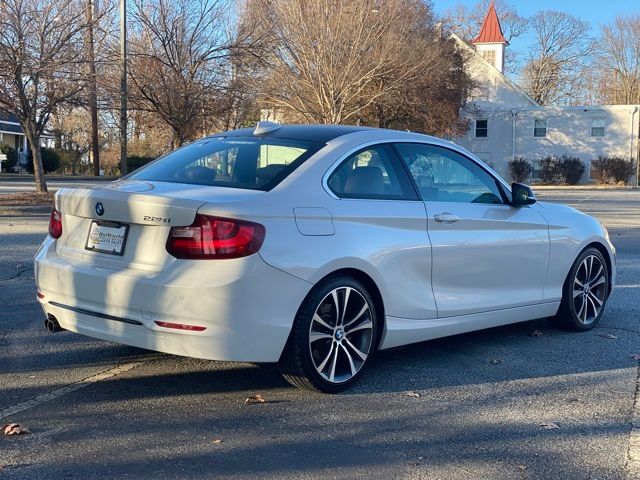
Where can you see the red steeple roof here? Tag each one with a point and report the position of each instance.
(490, 31)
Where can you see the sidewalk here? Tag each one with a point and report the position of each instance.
(16, 177)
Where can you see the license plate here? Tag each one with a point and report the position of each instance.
(107, 237)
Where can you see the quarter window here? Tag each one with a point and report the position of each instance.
(597, 127)
(443, 175)
(373, 172)
(539, 128)
(482, 128)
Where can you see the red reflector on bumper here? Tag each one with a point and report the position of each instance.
(40, 295)
(181, 326)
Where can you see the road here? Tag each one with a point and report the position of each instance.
(21, 184)
(482, 396)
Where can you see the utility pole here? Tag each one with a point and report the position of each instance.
(123, 87)
(93, 95)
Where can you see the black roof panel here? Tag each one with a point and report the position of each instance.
(312, 133)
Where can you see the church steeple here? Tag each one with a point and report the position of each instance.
(490, 42)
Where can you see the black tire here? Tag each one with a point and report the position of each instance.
(568, 317)
(297, 361)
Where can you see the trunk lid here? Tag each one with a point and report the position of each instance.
(149, 209)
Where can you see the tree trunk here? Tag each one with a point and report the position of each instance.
(38, 170)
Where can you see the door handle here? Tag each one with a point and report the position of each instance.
(446, 217)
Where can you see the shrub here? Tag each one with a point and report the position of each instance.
(520, 170)
(12, 157)
(550, 173)
(612, 169)
(134, 162)
(50, 160)
(571, 169)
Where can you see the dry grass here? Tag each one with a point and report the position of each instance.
(26, 199)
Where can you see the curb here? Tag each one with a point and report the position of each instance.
(24, 210)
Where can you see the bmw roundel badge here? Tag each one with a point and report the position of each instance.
(99, 209)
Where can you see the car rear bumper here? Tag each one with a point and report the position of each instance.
(246, 306)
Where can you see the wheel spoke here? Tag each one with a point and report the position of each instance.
(597, 282)
(577, 292)
(347, 292)
(334, 294)
(332, 376)
(593, 297)
(317, 318)
(595, 310)
(580, 284)
(359, 315)
(362, 326)
(363, 356)
(315, 336)
(590, 258)
(582, 307)
(596, 275)
(324, 362)
(351, 365)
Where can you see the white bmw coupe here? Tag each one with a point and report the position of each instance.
(314, 246)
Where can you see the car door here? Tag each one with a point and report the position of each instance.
(486, 254)
(380, 220)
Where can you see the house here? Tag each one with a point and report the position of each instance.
(506, 123)
(11, 134)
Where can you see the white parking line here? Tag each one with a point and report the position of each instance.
(67, 389)
(632, 465)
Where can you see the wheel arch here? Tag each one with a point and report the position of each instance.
(607, 257)
(370, 285)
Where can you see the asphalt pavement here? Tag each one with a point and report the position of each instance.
(495, 404)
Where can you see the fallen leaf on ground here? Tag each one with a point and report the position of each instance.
(636, 356)
(14, 429)
(536, 333)
(255, 399)
(607, 335)
(413, 394)
(495, 361)
(217, 441)
(549, 426)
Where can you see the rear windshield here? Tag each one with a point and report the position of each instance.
(253, 163)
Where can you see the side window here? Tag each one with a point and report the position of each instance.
(443, 175)
(373, 172)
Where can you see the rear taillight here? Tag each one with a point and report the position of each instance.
(212, 238)
(55, 224)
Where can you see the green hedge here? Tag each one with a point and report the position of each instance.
(134, 162)
(50, 160)
(12, 157)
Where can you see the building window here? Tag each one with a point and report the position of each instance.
(489, 56)
(482, 128)
(539, 128)
(597, 127)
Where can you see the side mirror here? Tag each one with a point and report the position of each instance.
(521, 195)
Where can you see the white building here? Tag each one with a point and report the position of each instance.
(506, 123)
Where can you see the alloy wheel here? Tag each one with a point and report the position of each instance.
(589, 289)
(341, 334)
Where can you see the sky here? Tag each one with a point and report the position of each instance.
(596, 12)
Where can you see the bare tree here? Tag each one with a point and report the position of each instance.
(553, 72)
(619, 61)
(466, 21)
(41, 53)
(337, 61)
(179, 60)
